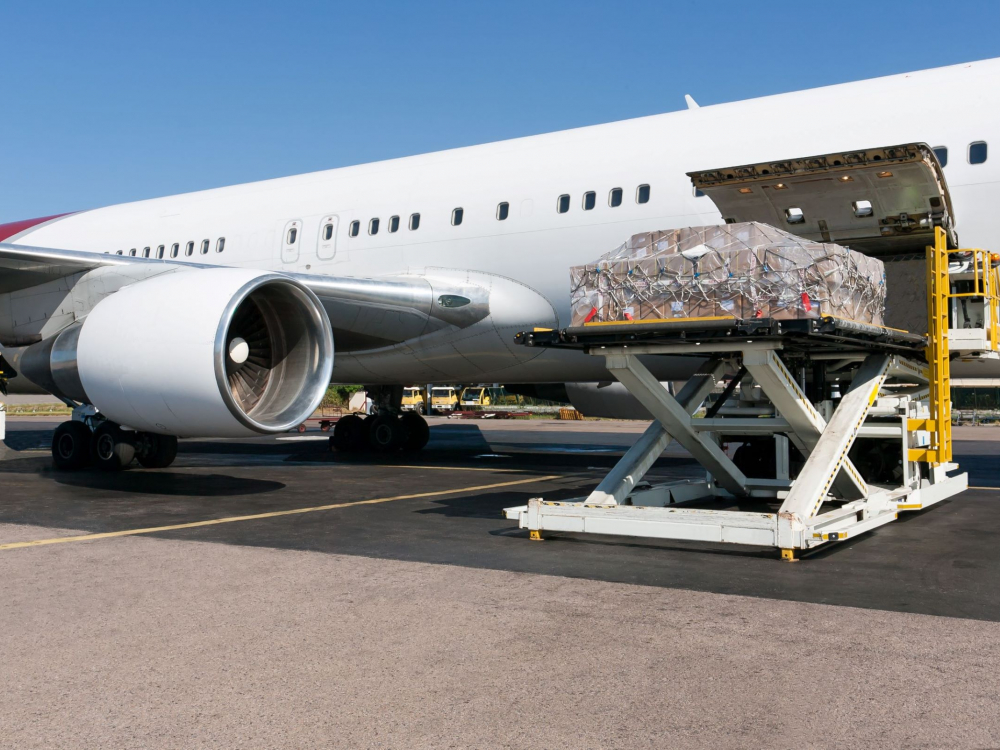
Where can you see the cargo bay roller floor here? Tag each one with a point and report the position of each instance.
(406, 612)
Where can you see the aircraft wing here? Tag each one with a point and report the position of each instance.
(23, 267)
(365, 313)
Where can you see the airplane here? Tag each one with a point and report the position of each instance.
(217, 313)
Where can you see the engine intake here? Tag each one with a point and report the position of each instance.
(212, 353)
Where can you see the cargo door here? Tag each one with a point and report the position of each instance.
(881, 201)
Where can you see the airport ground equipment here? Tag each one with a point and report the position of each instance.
(841, 425)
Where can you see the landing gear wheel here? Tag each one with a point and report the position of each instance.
(112, 447)
(159, 451)
(348, 434)
(386, 433)
(418, 432)
(71, 446)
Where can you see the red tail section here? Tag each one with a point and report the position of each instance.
(16, 227)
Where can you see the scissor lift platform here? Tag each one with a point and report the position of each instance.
(799, 485)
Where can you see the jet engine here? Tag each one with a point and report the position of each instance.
(224, 352)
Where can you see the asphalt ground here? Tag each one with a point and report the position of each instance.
(269, 593)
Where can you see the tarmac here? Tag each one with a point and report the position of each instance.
(270, 593)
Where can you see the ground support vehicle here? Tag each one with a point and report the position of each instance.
(444, 399)
(413, 399)
(811, 468)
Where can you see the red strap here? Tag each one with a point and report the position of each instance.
(590, 315)
(806, 304)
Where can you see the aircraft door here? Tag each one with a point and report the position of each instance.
(291, 238)
(326, 244)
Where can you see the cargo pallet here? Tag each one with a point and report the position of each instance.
(809, 492)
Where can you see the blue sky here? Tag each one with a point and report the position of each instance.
(111, 102)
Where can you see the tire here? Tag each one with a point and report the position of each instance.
(417, 431)
(348, 433)
(160, 452)
(112, 448)
(71, 446)
(420, 409)
(386, 433)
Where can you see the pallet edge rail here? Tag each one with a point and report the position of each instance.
(898, 399)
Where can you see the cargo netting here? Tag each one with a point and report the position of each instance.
(747, 270)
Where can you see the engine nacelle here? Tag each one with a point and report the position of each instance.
(223, 352)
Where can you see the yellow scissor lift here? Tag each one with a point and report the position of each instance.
(898, 398)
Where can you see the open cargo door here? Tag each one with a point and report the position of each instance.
(880, 201)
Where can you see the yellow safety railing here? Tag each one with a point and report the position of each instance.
(938, 290)
(985, 285)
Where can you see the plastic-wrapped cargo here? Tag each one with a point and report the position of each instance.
(748, 270)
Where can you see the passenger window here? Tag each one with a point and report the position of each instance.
(159, 251)
(220, 244)
(977, 152)
(456, 216)
(589, 200)
(562, 205)
(132, 251)
(373, 226)
(189, 249)
(615, 197)
(941, 152)
(328, 232)
(355, 228)
(145, 252)
(174, 249)
(393, 223)
(414, 221)
(503, 211)
(204, 246)
(642, 194)
(293, 235)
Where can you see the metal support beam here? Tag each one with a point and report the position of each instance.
(632, 467)
(830, 452)
(675, 420)
(806, 422)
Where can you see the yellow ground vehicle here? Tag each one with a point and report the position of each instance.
(484, 395)
(444, 399)
(477, 395)
(413, 399)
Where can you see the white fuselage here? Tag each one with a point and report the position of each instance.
(535, 244)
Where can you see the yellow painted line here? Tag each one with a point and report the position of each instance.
(273, 514)
(446, 468)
